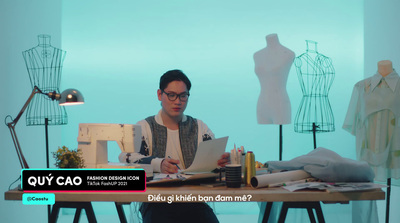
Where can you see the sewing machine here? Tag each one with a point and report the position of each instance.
(93, 138)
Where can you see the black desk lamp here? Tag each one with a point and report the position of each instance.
(67, 97)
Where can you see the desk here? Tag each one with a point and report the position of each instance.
(263, 194)
(213, 193)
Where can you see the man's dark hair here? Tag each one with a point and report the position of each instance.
(174, 75)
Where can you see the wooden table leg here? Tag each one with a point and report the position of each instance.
(78, 206)
(121, 212)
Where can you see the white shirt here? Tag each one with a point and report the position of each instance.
(173, 143)
(373, 117)
(174, 147)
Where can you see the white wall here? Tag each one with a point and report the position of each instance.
(382, 42)
(382, 34)
(123, 47)
(21, 21)
(118, 49)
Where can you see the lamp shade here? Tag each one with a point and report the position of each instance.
(71, 97)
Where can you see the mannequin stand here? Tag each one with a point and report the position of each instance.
(280, 143)
(310, 206)
(389, 183)
(46, 130)
(314, 131)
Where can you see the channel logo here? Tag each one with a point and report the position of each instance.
(38, 199)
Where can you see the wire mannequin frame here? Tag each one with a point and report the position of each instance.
(316, 74)
(44, 65)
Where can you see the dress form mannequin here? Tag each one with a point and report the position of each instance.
(385, 67)
(316, 74)
(44, 65)
(272, 66)
(373, 117)
(375, 109)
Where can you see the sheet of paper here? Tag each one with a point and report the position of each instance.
(169, 176)
(207, 155)
(335, 187)
(164, 176)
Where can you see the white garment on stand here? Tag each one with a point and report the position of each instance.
(373, 117)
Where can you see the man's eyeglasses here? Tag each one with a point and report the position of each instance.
(172, 96)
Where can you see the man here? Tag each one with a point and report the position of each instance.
(170, 141)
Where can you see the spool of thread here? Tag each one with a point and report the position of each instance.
(243, 162)
(250, 167)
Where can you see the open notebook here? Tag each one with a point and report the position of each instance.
(207, 155)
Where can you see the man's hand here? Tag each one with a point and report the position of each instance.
(169, 166)
(225, 158)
